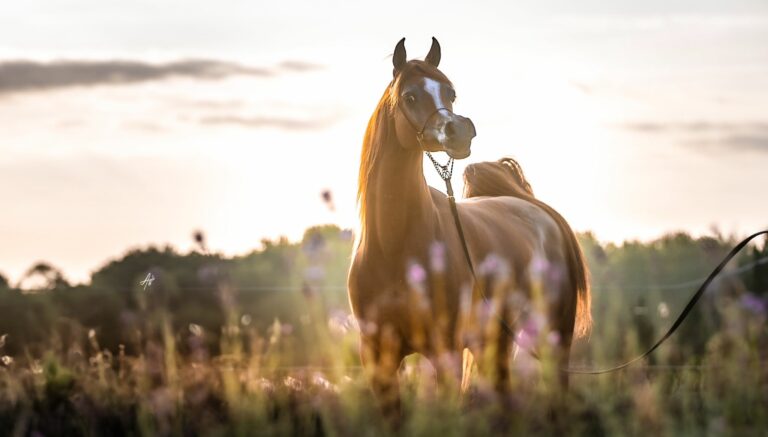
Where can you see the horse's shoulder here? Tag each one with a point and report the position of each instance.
(438, 197)
(367, 267)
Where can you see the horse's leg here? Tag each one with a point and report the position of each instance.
(494, 357)
(563, 353)
(564, 317)
(503, 361)
(381, 355)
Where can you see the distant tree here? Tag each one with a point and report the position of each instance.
(285, 280)
(43, 276)
(595, 255)
(199, 237)
(126, 272)
(757, 280)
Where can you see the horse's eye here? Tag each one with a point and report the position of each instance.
(453, 96)
(410, 99)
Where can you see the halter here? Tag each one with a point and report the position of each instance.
(445, 171)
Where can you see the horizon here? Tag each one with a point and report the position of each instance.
(194, 247)
(631, 120)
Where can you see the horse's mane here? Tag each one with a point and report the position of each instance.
(380, 127)
(505, 177)
(376, 134)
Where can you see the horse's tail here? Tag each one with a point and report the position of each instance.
(505, 178)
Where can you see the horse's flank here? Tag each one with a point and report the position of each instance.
(505, 177)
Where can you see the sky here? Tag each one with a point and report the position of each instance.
(124, 124)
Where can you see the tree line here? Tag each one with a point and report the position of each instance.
(290, 285)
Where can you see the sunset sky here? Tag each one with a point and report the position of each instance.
(129, 123)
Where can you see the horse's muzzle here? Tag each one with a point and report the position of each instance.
(459, 133)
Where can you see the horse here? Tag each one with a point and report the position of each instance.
(410, 285)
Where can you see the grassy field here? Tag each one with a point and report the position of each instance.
(264, 345)
(174, 386)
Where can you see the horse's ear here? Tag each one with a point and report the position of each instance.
(433, 57)
(398, 59)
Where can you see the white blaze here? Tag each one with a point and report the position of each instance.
(432, 87)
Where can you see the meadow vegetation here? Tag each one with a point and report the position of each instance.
(264, 344)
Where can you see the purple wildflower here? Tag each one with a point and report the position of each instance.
(539, 265)
(553, 338)
(494, 265)
(314, 273)
(754, 304)
(347, 235)
(437, 257)
(530, 331)
(485, 310)
(416, 274)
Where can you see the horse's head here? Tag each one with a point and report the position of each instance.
(423, 99)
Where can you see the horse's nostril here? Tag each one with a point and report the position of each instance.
(449, 129)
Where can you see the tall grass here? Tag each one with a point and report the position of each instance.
(303, 376)
(250, 387)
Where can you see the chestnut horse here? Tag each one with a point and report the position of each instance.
(405, 308)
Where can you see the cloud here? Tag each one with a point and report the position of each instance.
(758, 143)
(710, 135)
(583, 87)
(261, 122)
(695, 127)
(144, 126)
(210, 104)
(299, 66)
(25, 75)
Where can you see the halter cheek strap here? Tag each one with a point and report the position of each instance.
(420, 132)
(445, 171)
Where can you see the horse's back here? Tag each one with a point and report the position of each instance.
(510, 224)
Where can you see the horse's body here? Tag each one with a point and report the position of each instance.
(403, 309)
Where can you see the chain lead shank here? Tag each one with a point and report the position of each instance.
(445, 172)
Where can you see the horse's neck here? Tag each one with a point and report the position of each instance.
(400, 212)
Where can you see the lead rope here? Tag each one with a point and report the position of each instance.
(446, 171)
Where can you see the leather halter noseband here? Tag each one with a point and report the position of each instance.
(445, 171)
(420, 132)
